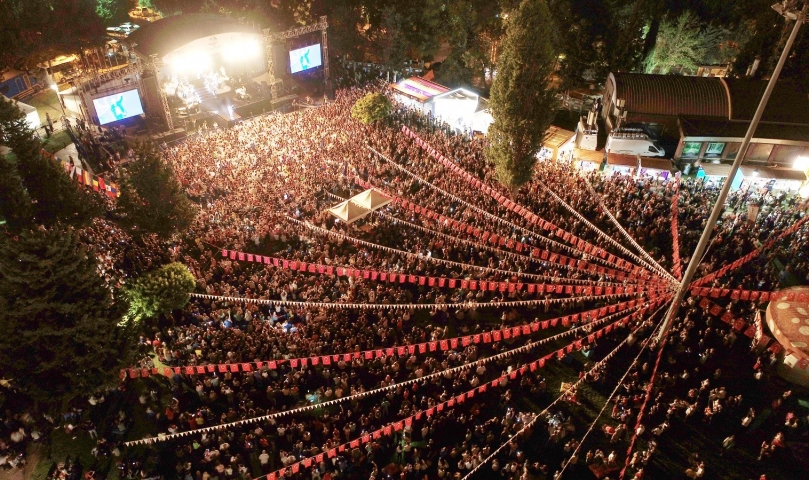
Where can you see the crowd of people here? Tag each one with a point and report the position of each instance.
(263, 187)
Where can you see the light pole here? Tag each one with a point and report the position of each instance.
(787, 8)
(55, 88)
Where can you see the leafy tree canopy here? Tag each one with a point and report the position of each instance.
(152, 200)
(34, 31)
(522, 103)
(682, 44)
(161, 291)
(371, 108)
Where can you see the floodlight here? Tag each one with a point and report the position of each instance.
(801, 163)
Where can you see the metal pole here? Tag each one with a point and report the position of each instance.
(719, 206)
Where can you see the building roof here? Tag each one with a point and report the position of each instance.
(555, 137)
(419, 88)
(716, 129)
(168, 34)
(789, 102)
(671, 94)
(656, 163)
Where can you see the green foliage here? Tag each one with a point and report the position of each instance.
(682, 44)
(161, 291)
(114, 11)
(60, 320)
(371, 108)
(53, 195)
(522, 103)
(152, 200)
(475, 27)
(34, 31)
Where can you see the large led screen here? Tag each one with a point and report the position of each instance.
(305, 58)
(118, 106)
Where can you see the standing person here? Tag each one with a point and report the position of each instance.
(49, 125)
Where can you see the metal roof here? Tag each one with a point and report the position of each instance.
(671, 94)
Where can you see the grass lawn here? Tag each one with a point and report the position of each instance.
(56, 142)
(63, 446)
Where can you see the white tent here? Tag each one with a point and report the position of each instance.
(349, 212)
(371, 199)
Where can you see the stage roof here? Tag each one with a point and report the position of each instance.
(419, 88)
(168, 34)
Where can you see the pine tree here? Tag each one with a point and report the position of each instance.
(161, 291)
(522, 103)
(60, 321)
(152, 199)
(54, 196)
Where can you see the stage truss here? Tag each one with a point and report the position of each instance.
(270, 38)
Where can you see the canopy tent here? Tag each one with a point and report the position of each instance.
(371, 199)
(349, 212)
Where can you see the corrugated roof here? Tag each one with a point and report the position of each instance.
(671, 94)
(789, 102)
(168, 34)
(556, 137)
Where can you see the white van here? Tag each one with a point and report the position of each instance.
(634, 144)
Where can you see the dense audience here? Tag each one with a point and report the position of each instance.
(263, 184)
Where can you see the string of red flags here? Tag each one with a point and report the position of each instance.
(603, 235)
(356, 241)
(582, 247)
(617, 224)
(525, 348)
(754, 330)
(530, 217)
(594, 316)
(675, 237)
(533, 254)
(506, 203)
(752, 295)
(581, 288)
(564, 395)
(750, 256)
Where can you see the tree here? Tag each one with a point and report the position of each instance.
(522, 103)
(62, 335)
(681, 43)
(371, 108)
(54, 196)
(15, 204)
(161, 291)
(35, 31)
(114, 11)
(152, 200)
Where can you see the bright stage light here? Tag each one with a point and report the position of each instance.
(238, 50)
(191, 62)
